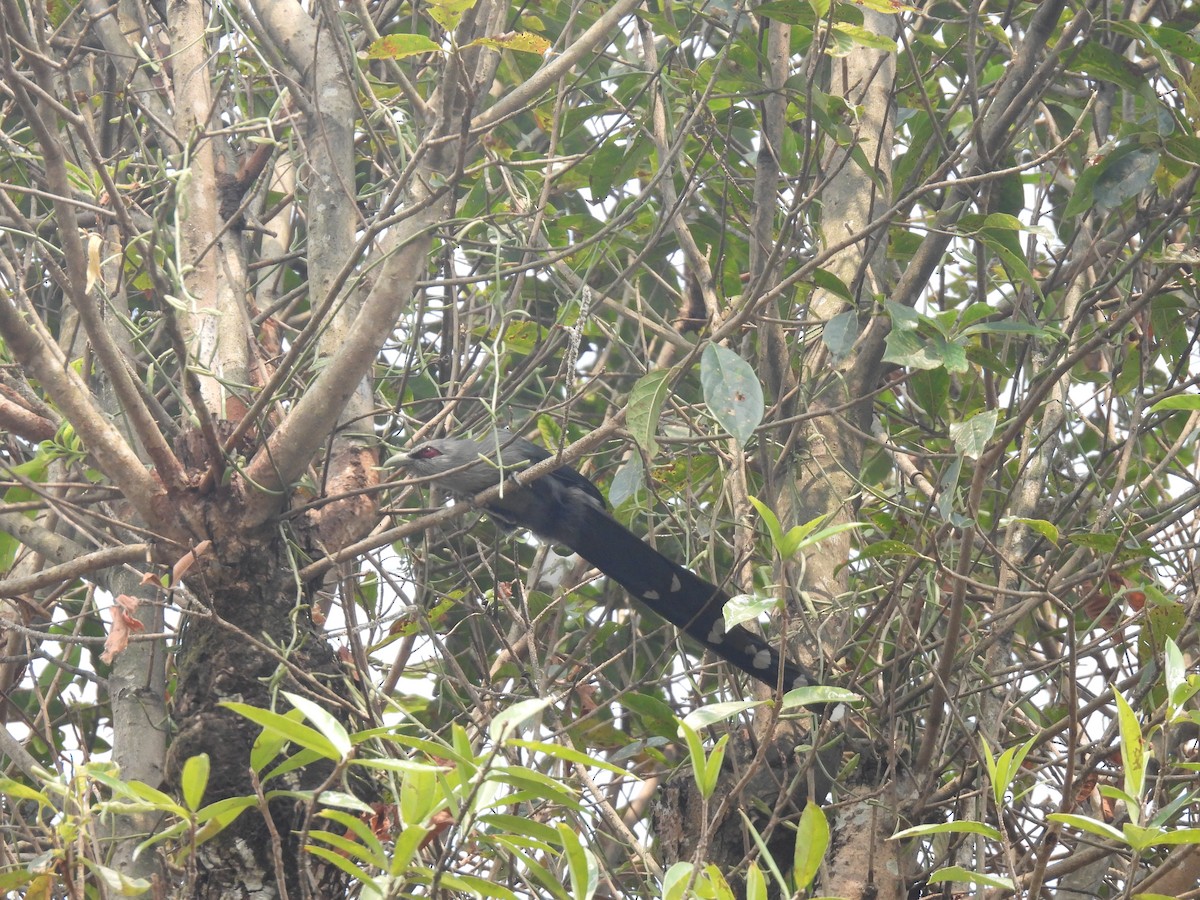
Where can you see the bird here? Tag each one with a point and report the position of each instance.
(565, 507)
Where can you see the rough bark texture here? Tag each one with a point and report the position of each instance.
(256, 642)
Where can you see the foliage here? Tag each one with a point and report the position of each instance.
(946, 449)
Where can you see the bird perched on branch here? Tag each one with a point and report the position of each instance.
(565, 507)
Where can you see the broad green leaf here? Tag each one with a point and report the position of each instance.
(658, 717)
(333, 730)
(756, 884)
(628, 482)
(1091, 826)
(1046, 529)
(695, 752)
(910, 349)
(399, 46)
(732, 392)
(864, 37)
(18, 791)
(116, 883)
(512, 718)
(518, 41)
(772, 522)
(964, 876)
(1099, 62)
(286, 728)
(675, 880)
(818, 694)
(194, 779)
(1133, 755)
(1188, 402)
(712, 768)
(971, 437)
(840, 333)
(704, 716)
(581, 864)
(448, 13)
(718, 887)
(812, 840)
(419, 797)
(747, 608)
(948, 828)
(645, 405)
(790, 12)
(570, 754)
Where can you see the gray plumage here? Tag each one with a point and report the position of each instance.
(564, 507)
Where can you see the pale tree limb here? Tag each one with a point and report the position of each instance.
(559, 66)
(35, 348)
(76, 257)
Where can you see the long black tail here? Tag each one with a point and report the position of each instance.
(681, 597)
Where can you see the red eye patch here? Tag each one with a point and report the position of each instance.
(426, 453)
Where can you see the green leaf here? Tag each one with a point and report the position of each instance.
(695, 752)
(1101, 543)
(1092, 826)
(116, 882)
(747, 608)
(798, 538)
(818, 694)
(194, 779)
(965, 876)
(790, 12)
(509, 720)
(865, 38)
(971, 437)
(570, 754)
(756, 883)
(398, 46)
(712, 768)
(908, 348)
(703, 716)
(713, 884)
(645, 405)
(581, 864)
(627, 484)
(371, 849)
(812, 840)
(931, 389)
(772, 521)
(604, 169)
(675, 880)
(1133, 755)
(657, 717)
(1099, 62)
(18, 791)
(448, 13)
(732, 392)
(330, 727)
(1004, 769)
(1046, 529)
(517, 41)
(1188, 402)
(340, 861)
(948, 828)
(419, 797)
(287, 728)
(840, 333)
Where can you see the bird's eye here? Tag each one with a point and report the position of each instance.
(426, 453)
